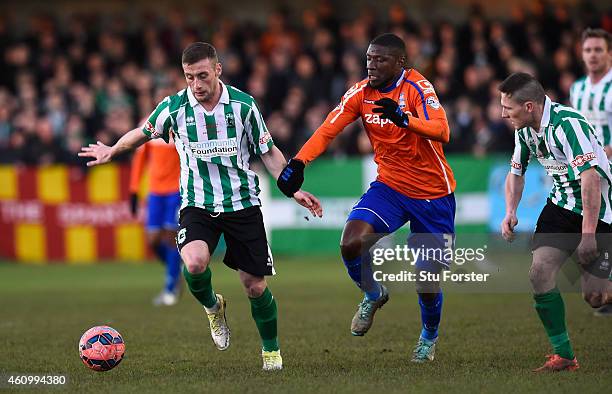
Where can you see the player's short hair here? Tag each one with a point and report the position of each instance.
(523, 87)
(198, 51)
(390, 40)
(597, 33)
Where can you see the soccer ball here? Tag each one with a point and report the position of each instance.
(101, 348)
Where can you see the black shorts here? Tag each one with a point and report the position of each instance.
(244, 232)
(561, 228)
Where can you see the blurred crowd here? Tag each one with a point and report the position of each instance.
(71, 79)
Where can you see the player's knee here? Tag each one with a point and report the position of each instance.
(534, 276)
(254, 288)
(539, 276)
(195, 263)
(350, 248)
(594, 299)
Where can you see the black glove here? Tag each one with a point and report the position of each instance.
(291, 178)
(134, 204)
(389, 109)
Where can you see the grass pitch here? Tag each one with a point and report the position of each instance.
(489, 342)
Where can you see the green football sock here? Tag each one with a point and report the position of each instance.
(551, 309)
(264, 312)
(201, 287)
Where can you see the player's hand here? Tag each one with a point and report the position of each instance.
(587, 249)
(309, 201)
(100, 152)
(507, 227)
(291, 177)
(134, 203)
(389, 109)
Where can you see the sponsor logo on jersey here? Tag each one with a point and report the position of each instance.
(515, 165)
(557, 169)
(205, 150)
(553, 166)
(190, 121)
(583, 159)
(432, 102)
(376, 119)
(151, 129)
(265, 138)
(368, 101)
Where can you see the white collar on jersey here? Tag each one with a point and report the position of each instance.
(546, 113)
(224, 99)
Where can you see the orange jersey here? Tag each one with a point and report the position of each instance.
(410, 160)
(164, 167)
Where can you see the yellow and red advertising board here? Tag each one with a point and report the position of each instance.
(68, 214)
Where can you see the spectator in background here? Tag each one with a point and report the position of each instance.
(278, 78)
(61, 65)
(278, 35)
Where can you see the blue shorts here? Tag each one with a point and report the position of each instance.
(163, 211)
(431, 221)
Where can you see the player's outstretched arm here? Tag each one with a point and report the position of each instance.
(513, 192)
(103, 153)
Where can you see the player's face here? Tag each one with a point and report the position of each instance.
(203, 78)
(383, 65)
(520, 115)
(595, 54)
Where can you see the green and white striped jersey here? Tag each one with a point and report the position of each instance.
(595, 103)
(565, 145)
(214, 147)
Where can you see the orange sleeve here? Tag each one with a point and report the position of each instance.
(344, 114)
(431, 122)
(138, 162)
